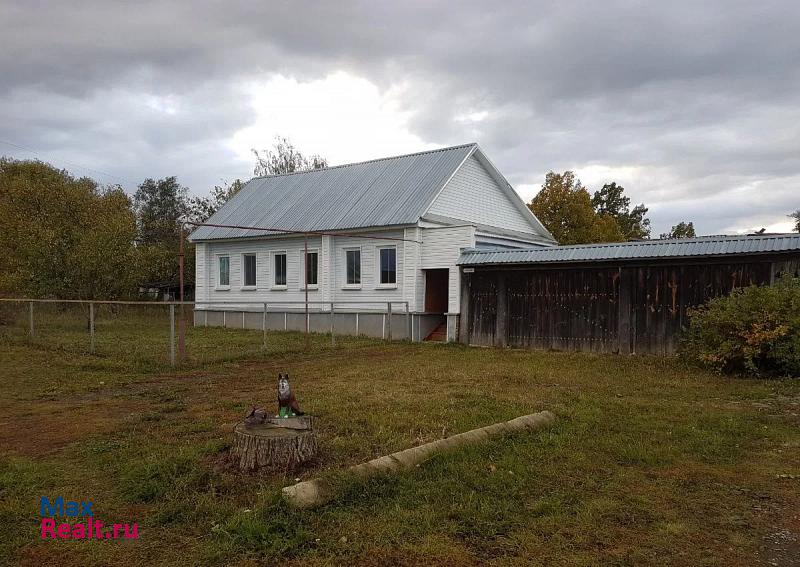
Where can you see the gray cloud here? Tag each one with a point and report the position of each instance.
(698, 102)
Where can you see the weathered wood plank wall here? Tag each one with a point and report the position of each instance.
(627, 308)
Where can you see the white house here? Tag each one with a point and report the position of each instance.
(382, 236)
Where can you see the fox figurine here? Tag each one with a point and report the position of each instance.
(287, 403)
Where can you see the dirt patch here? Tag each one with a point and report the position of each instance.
(44, 428)
(782, 548)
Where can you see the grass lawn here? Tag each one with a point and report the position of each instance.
(650, 462)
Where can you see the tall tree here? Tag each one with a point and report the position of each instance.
(611, 201)
(680, 230)
(796, 216)
(162, 206)
(63, 236)
(285, 158)
(564, 206)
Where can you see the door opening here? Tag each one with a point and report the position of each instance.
(436, 290)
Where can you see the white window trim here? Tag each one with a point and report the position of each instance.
(378, 284)
(312, 287)
(218, 286)
(244, 287)
(271, 270)
(347, 249)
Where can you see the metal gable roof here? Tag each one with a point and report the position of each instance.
(383, 192)
(644, 249)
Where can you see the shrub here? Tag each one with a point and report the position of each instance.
(754, 330)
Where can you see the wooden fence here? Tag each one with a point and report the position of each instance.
(622, 308)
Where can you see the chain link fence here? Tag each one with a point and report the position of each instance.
(177, 334)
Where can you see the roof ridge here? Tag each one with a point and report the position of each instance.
(655, 241)
(448, 148)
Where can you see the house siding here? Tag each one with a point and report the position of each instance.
(441, 248)
(473, 195)
(263, 249)
(200, 271)
(370, 290)
(331, 277)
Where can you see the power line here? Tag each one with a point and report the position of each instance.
(303, 232)
(70, 163)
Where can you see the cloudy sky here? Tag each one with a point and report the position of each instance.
(693, 106)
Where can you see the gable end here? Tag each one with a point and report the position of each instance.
(473, 194)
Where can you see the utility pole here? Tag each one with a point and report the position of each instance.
(182, 320)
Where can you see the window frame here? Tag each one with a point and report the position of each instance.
(346, 284)
(219, 285)
(304, 269)
(380, 284)
(243, 276)
(273, 272)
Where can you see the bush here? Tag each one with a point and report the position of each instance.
(754, 330)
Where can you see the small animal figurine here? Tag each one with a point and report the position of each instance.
(287, 403)
(257, 416)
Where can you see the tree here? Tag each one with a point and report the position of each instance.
(565, 208)
(285, 158)
(796, 216)
(162, 206)
(680, 230)
(611, 201)
(63, 236)
(202, 208)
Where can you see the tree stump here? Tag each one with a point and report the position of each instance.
(271, 447)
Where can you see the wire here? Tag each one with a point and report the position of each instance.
(303, 232)
(70, 163)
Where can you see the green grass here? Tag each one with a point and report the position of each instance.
(649, 461)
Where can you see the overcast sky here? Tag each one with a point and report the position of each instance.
(693, 106)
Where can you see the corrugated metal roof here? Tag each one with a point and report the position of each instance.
(644, 249)
(382, 192)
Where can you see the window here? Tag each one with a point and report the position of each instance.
(224, 271)
(249, 270)
(312, 264)
(353, 267)
(279, 261)
(388, 266)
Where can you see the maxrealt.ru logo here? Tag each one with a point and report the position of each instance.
(85, 528)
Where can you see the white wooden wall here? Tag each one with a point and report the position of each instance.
(437, 248)
(440, 249)
(473, 195)
(332, 274)
(370, 289)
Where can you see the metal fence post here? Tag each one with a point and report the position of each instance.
(91, 327)
(172, 334)
(333, 316)
(264, 327)
(30, 318)
(389, 318)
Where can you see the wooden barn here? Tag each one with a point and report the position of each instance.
(629, 297)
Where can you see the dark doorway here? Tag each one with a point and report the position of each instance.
(436, 290)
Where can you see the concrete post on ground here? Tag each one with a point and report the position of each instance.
(172, 335)
(30, 319)
(264, 328)
(333, 317)
(389, 319)
(91, 327)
